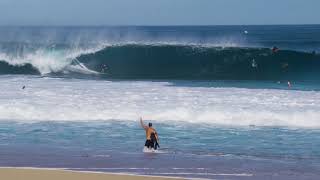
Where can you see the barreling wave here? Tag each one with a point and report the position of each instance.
(178, 61)
(169, 61)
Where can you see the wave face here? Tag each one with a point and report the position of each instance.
(208, 52)
(202, 62)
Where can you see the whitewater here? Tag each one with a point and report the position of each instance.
(55, 99)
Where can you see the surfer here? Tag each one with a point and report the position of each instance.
(274, 49)
(103, 68)
(254, 63)
(151, 136)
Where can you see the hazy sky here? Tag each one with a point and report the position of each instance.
(158, 12)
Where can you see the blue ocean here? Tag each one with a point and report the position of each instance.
(228, 102)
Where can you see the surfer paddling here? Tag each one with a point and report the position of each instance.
(151, 136)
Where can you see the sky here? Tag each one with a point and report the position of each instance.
(158, 12)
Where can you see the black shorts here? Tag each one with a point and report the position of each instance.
(149, 143)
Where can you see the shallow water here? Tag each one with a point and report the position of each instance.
(188, 150)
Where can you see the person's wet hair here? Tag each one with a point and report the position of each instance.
(150, 124)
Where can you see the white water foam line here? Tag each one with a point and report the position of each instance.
(48, 99)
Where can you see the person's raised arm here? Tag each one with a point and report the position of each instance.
(142, 125)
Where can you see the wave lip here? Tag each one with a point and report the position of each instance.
(44, 60)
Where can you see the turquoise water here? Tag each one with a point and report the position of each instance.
(176, 138)
(187, 149)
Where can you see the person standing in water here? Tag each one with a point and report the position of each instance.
(151, 136)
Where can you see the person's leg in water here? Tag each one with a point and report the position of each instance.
(156, 145)
(149, 144)
(146, 144)
(152, 145)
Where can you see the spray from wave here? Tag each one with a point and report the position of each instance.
(44, 60)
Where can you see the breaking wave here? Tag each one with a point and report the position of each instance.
(165, 61)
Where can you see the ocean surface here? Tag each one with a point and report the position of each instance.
(225, 105)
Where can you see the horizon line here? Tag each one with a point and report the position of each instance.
(132, 25)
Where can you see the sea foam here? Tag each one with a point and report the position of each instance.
(49, 99)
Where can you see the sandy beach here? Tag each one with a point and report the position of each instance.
(55, 174)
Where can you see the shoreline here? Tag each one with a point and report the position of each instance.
(32, 173)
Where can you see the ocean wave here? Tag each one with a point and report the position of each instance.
(43, 60)
(165, 60)
(169, 61)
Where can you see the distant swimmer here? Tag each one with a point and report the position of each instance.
(151, 136)
(23, 87)
(275, 49)
(254, 63)
(289, 84)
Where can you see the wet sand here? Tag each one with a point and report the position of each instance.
(55, 174)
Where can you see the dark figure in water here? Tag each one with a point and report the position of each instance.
(23, 87)
(274, 49)
(254, 63)
(151, 136)
(104, 68)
